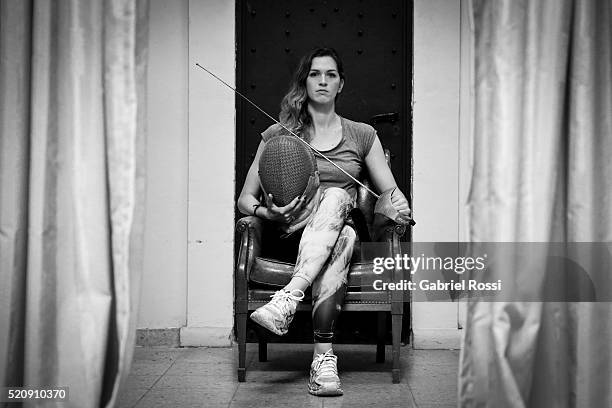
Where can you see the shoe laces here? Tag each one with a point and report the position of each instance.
(284, 299)
(326, 364)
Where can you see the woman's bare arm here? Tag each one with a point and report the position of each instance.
(379, 171)
(383, 179)
(251, 190)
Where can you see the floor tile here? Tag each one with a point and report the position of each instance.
(389, 395)
(129, 396)
(206, 377)
(180, 398)
(366, 377)
(156, 353)
(437, 406)
(430, 390)
(431, 357)
(188, 367)
(152, 361)
(434, 372)
(195, 381)
(149, 368)
(283, 391)
(210, 355)
(141, 381)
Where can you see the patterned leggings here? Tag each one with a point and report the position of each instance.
(324, 255)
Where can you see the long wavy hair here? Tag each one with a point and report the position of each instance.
(294, 107)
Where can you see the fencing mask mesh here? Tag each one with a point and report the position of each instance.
(288, 169)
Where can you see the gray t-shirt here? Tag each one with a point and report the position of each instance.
(349, 153)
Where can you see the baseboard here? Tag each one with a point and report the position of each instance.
(206, 337)
(446, 339)
(158, 337)
(222, 337)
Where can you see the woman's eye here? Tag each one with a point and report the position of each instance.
(331, 75)
(313, 74)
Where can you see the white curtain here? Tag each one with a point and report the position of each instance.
(542, 172)
(72, 77)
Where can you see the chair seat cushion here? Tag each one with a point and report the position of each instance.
(370, 296)
(276, 274)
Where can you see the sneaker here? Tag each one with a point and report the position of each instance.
(324, 380)
(277, 314)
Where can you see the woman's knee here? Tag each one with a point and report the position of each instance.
(336, 192)
(337, 200)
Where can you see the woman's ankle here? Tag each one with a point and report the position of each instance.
(297, 283)
(321, 348)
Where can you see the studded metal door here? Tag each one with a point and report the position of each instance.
(373, 37)
(374, 40)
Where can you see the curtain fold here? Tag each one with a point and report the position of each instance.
(15, 50)
(72, 207)
(542, 172)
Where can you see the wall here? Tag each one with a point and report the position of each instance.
(436, 147)
(164, 283)
(212, 133)
(187, 282)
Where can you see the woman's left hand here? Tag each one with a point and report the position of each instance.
(400, 203)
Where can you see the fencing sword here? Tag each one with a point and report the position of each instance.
(388, 192)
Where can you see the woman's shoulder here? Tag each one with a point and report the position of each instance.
(362, 134)
(272, 131)
(358, 128)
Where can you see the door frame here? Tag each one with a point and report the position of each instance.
(242, 157)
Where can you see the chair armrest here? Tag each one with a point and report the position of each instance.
(249, 222)
(248, 230)
(386, 230)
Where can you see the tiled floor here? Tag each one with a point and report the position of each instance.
(206, 377)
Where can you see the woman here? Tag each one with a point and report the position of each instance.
(326, 244)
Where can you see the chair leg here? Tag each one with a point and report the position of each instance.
(380, 342)
(263, 350)
(397, 334)
(241, 323)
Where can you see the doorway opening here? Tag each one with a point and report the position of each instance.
(374, 40)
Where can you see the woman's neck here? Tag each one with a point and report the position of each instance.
(323, 116)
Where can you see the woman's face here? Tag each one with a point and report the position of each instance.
(323, 82)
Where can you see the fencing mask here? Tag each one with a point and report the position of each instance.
(288, 169)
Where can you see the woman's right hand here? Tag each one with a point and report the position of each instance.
(285, 214)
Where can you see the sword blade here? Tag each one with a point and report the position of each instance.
(288, 130)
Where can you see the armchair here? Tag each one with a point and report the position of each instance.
(260, 271)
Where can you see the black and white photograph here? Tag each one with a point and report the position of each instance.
(306, 203)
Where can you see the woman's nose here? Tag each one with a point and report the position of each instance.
(323, 80)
